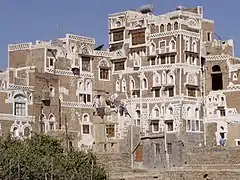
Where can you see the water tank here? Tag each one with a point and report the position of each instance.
(146, 9)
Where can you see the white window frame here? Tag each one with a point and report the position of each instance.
(22, 100)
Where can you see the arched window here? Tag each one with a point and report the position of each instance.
(176, 26)
(235, 78)
(124, 86)
(152, 49)
(156, 79)
(117, 86)
(73, 48)
(104, 70)
(85, 118)
(162, 28)
(88, 85)
(162, 110)
(86, 124)
(188, 112)
(187, 45)
(170, 111)
(132, 85)
(156, 112)
(80, 84)
(169, 27)
(216, 68)
(118, 24)
(138, 117)
(144, 83)
(172, 45)
(42, 120)
(15, 131)
(217, 80)
(20, 105)
(197, 113)
(163, 77)
(51, 122)
(194, 46)
(170, 79)
(27, 131)
(3, 85)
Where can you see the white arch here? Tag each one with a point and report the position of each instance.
(80, 84)
(144, 83)
(27, 125)
(156, 112)
(164, 80)
(197, 111)
(187, 45)
(44, 117)
(152, 48)
(137, 25)
(85, 117)
(194, 46)
(88, 85)
(118, 23)
(171, 78)
(131, 84)
(51, 117)
(103, 63)
(3, 85)
(14, 125)
(189, 112)
(172, 45)
(124, 85)
(170, 110)
(85, 49)
(235, 77)
(19, 97)
(117, 86)
(156, 79)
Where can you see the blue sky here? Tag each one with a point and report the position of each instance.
(29, 20)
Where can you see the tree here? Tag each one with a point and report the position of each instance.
(42, 157)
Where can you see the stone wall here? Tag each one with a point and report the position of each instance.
(216, 155)
(210, 163)
(181, 175)
(117, 163)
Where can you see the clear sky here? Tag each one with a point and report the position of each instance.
(31, 20)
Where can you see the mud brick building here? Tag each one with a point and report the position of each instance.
(178, 85)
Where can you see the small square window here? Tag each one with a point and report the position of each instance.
(155, 126)
(169, 126)
(209, 38)
(157, 92)
(171, 92)
(86, 129)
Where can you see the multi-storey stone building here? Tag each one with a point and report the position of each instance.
(179, 87)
